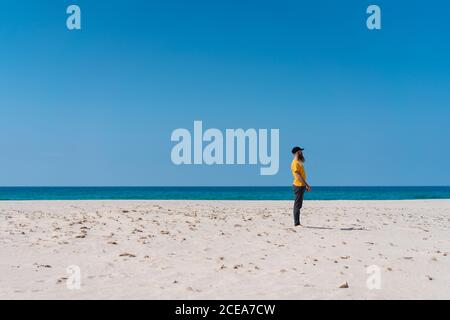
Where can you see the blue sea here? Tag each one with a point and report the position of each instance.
(220, 193)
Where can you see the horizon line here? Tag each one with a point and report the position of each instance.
(228, 186)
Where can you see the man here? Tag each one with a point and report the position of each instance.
(300, 184)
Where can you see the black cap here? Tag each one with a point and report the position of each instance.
(296, 149)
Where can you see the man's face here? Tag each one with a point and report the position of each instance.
(300, 156)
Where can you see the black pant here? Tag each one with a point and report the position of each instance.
(298, 203)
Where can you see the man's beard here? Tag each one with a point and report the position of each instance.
(301, 158)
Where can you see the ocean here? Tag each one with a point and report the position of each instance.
(220, 193)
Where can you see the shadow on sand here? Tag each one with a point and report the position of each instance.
(341, 229)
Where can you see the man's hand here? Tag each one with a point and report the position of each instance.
(308, 188)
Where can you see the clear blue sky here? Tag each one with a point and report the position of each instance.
(97, 106)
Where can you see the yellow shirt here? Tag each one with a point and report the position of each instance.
(297, 168)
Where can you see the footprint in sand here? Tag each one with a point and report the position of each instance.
(61, 280)
(126, 254)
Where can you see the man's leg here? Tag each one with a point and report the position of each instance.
(298, 203)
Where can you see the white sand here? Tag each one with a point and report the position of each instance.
(224, 250)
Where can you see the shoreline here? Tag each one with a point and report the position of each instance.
(222, 200)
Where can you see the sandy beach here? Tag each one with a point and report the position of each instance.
(224, 249)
